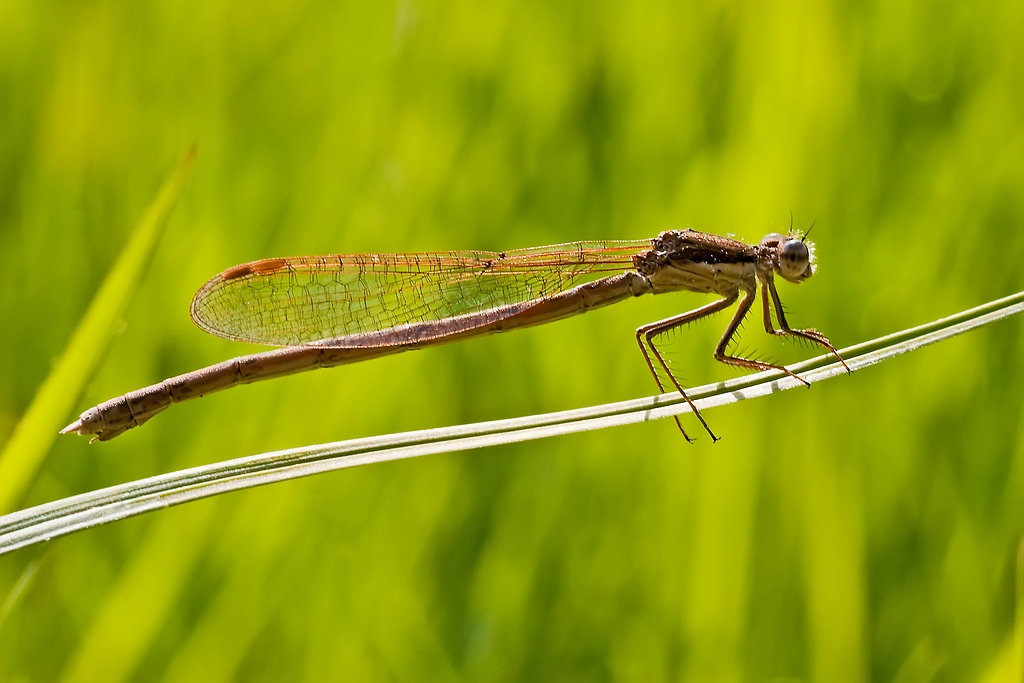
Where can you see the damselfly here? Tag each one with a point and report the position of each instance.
(334, 310)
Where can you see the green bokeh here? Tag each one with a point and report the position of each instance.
(863, 530)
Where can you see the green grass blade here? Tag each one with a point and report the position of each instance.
(118, 502)
(1018, 630)
(35, 432)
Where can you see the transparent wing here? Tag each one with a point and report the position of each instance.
(291, 301)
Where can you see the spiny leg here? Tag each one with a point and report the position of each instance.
(661, 387)
(723, 344)
(648, 332)
(811, 335)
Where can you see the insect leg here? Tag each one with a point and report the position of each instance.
(650, 331)
(812, 335)
(749, 363)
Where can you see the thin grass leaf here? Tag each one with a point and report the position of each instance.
(19, 588)
(1018, 625)
(35, 432)
(62, 517)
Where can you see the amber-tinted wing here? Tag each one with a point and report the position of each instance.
(290, 301)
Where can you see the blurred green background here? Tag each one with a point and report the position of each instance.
(863, 530)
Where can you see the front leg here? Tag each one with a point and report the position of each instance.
(768, 286)
(721, 354)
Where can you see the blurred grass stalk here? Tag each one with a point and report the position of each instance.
(35, 432)
(1018, 639)
(62, 517)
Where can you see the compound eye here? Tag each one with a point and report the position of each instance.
(793, 260)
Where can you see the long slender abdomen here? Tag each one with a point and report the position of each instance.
(116, 416)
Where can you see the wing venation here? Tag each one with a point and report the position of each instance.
(291, 301)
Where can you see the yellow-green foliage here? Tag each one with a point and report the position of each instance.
(863, 530)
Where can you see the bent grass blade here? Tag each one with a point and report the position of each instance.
(43, 522)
